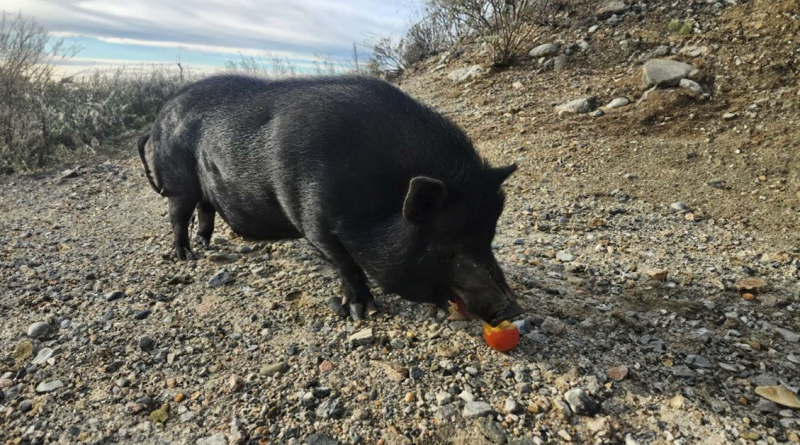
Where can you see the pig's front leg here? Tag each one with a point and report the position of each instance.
(355, 292)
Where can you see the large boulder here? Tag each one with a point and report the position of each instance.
(664, 73)
(548, 49)
(462, 74)
(578, 106)
(612, 7)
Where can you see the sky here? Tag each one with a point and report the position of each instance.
(205, 34)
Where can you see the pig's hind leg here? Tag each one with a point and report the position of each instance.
(205, 218)
(355, 292)
(180, 212)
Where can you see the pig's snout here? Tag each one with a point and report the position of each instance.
(510, 311)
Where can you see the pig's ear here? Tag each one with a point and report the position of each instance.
(502, 173)
(424, 196)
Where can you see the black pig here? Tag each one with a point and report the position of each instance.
(377, 182)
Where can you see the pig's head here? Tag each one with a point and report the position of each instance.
(440, 248)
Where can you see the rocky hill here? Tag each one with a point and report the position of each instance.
(654, 246)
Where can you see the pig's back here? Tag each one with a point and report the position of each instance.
(310, 148)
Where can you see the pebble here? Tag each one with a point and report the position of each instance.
(362, 337)
(443, 398)
(565, 257)
(216, 439)
(220, 278)
(544, 50)
(147, 344)
(46, 387)
(43, 355)
(273, 369)
(38, 330)
(511, 406)
(578, 106)
(25, 406)
(679, 206)
(467, 73)
(66, 324)
(330, 409)
(664, 73)
(466, 396)
(476, 409)
(788, 335)
(492, 431)
(618, 102)
(617, 373)
(115, 295)
(320, 439)
(581, 403)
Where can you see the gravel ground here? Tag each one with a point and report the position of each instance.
(653, 315)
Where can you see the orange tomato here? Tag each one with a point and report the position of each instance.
(503, 337)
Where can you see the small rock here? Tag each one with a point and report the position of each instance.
(335, 304)
(216, 439)
(617, 373)
(330, 409)
(42, 356)
(618, 102)
(578, 106)
(147, 344)
(565, 257)
(517, 85)
(583, 44)
(581, 403)
(443, 398)
(362, 337)
(750, 285)
(612, 7)
(25, 406)
(38, 330)
(560, 62)
(664, 73)
(462, 74)
(656, 274)
(235, 383)
(693, 86)
(767, 407)
(698, 361)
(676, 402)
(115, 295)
(492, 431)
(394, 371)
(466, 396)
(545, 50)
(511, 406)
(476, 409)
(729, 116)
(321, 439)
(220, 278)
(46, 387)
(273, 369)
(679, 206)
(683, 372)
(69, 174)
(788, 335)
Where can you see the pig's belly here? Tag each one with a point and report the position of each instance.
(256, 217)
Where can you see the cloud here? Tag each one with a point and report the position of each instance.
(222, 26)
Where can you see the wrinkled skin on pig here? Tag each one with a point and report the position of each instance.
(374, 180)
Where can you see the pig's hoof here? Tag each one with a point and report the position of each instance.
(356, 311)
(203, 241)
(186, 254)
(371, 309)
(335, 305)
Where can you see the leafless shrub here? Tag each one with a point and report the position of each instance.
(504, 25)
